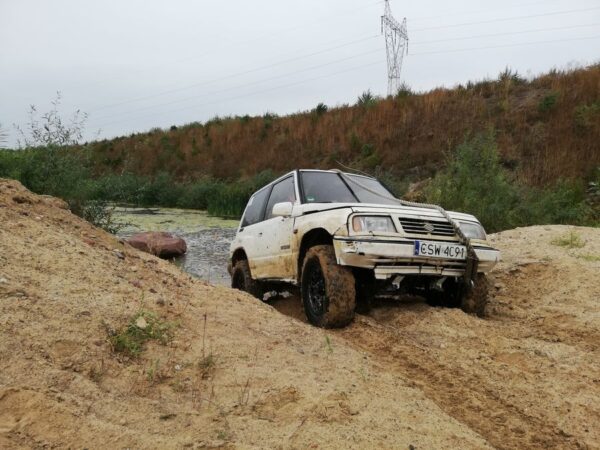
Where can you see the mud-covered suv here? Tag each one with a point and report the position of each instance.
(344, 239)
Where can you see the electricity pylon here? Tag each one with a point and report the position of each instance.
(396, 45)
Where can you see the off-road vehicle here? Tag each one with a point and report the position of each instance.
(344, 238)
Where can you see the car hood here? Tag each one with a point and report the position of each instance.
(407, 211)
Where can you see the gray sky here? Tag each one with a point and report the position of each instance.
(136, 64)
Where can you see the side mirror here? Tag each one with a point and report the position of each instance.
(283, 209)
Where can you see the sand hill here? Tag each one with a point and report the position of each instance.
(232, 372)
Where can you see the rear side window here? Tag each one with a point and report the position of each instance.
(282, 192)
(255, 208)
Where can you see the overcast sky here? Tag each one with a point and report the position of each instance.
(137, 64)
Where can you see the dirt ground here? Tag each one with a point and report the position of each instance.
(243, 374)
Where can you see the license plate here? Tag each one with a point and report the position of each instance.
(440, 250)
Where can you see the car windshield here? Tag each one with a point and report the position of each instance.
(330, 187)
(369, 190)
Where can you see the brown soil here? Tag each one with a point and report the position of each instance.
(525, 376)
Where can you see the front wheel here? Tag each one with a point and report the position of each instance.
(328, 289)
(241, 279)
(475, 300)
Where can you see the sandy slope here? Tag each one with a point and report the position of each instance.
(408, 375)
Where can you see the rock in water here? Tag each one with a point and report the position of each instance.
(161, 244)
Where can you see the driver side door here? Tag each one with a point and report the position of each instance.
(277, 234)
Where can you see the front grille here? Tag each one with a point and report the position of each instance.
(431, 227)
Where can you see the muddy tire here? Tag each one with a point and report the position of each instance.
(475, 300)
(241, 279)
(328, 289)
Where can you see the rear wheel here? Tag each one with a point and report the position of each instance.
(241, 279)
(328, 289)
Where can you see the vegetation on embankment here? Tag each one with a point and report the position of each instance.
(547, 128)
(532, 168)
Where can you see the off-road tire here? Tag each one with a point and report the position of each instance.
(328, 289)
(241, 279)
(475, 299)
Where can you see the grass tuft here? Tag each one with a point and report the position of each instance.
(142, 327)
(571, 240)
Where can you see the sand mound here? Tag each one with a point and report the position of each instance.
(237, 373)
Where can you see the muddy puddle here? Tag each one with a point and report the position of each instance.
(207, 237)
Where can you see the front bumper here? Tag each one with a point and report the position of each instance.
(388, 258)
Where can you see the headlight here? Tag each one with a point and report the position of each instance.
(373, 224)
(472, 230)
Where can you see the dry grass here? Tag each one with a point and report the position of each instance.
(547, 128)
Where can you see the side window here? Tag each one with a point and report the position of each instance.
(282, 192)
(255, 207)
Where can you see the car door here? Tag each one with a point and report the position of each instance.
(251, 230)
(277, 233)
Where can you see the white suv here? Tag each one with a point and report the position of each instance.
(343, 238)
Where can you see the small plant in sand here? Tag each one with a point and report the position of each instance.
(328, 345)
(208, 361)
(142, 327)
(207, 365)
(96, 372)
(571, 240)
(589, 257)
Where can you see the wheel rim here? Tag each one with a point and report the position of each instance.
(316, 290)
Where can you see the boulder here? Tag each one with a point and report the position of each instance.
(161, 244)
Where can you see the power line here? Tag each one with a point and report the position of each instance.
(453, 12)
(255, 92)
(166, 92)
(353, 68)
(506, 19)
(505, 34)
(246, 72)
(507, 45)
(248, 84)
(207, 94)
(248, 41)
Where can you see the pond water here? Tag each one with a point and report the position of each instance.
(207, 237)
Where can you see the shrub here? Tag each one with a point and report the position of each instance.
(474, 181)
(587, 115)
(548, 102)
(367, 100)
(510, 77)
(320, 109)
(403, 91)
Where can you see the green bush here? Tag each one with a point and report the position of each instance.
(587, 115)
(475, 182)
(548, 102)
(367, 100)
(320, 109)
